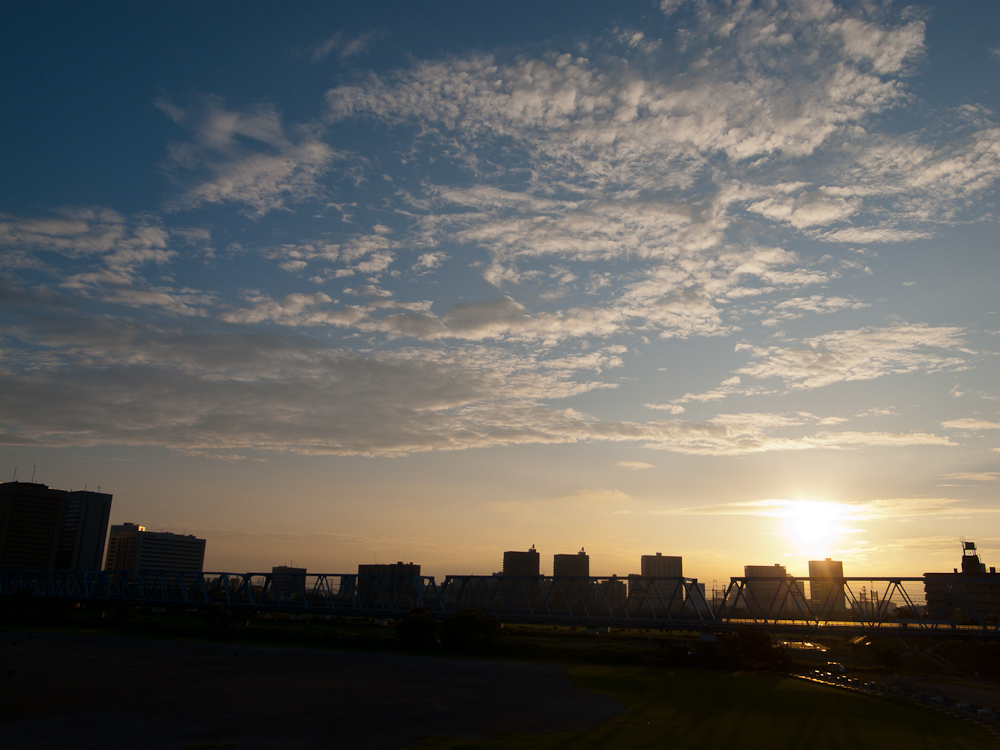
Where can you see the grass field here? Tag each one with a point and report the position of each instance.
(686, 709)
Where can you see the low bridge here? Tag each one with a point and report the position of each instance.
(847, 606)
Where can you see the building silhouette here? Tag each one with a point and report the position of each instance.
(384, 584)
(777, 596)
(131, 547)
(661, 565)
(287, 582)
(31, 523)
(968, 595)
(81, 545)
(518, 594)
(522, 563)
(826, 589)
(570, 595)
(648, 596)
(575, 566)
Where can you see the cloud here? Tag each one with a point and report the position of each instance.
(970, 423)
(77, 379)
(244, 157)
(634, 465)
(296, 310)
(345, 47)
(796, 307)
(973, 476)
(861, 354)
(121, 246)
(872, 510)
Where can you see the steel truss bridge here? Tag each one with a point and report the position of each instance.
(845, 606)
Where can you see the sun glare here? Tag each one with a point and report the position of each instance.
(812, 525)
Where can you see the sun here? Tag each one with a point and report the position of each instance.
(813, 524)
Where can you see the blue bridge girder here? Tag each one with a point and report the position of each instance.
(847, 606)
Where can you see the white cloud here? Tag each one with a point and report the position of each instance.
(976, 476)
(861, 354)
(244, 157)
(970, 423)
(634, 465)
(345, 47)
(872, 510)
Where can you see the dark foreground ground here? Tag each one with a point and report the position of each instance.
(70, 690)
(101, 692)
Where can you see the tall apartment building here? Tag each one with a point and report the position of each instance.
(389, 569)
(575, 566)
(965, 595)
(31, 522)
(131, 547)
(652, 597)
(396, 589)
(288, 582)
(826, 589)
(778, 597)
(81, 545)
(662, 565)
(522, 563)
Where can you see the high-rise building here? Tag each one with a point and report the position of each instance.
(31, 523)
(382, 584)
(389, 569)
(81, 545)
(968, 595)
(826, 589)
(774, 597)
(575, 566)
(522, 563)
(131, 547)
(289, 582)
(653, 597)
(662, 565)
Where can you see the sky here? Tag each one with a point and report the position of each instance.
(342, 283)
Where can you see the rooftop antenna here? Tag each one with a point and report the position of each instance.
(15, 473)
(33, 472)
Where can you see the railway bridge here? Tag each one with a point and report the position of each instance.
(847, 606)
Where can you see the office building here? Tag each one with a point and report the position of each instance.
(389, 584)
(31, 523)
(773, 593)
(389, 569)
(81, 546)
(569, 596)
(826, 589)
(287, 582)
(650, 597)
(571, 566)
(131, 547)
(966, 596)
(662, 565)
(522, 563)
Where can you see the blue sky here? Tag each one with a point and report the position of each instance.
(336, 282)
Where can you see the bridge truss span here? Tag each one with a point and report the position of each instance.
(782, 605)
